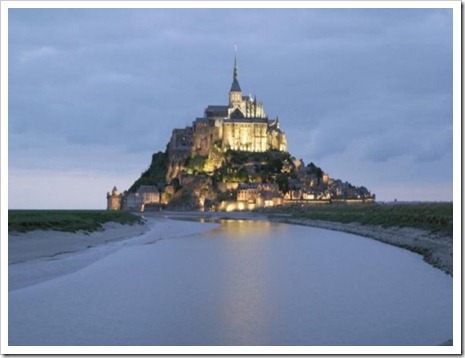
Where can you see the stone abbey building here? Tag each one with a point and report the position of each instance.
(240, 125)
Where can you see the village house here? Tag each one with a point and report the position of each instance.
(262, 194)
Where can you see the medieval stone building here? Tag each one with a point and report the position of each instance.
(145, 195)
(240, 125)
(114, 200)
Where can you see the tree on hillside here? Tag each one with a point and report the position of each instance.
(154, 174)
(283, 183)
(319, 174)
(195, 164)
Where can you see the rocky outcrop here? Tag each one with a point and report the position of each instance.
(176, 160)
(194, 191)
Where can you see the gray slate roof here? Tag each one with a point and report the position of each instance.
(235, 87)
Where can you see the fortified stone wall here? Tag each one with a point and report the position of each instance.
(204, 135)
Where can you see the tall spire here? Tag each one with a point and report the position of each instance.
(235, 84)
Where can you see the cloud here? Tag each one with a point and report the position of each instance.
(29, 153)
(376, 83)
(42, 52)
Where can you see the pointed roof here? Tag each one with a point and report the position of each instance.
(235, 87)
(237, 114)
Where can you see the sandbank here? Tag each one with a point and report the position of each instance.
(38, 256)
(49, 243)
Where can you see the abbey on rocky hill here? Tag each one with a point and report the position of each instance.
(232, 158)
(241, 125)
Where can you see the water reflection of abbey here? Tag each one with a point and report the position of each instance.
(245, 228)
(241, 125)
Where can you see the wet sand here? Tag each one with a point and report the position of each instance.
(39, 256)
(48, 243)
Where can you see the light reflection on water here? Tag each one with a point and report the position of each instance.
(245, 301)
(242, 229)
(283, 284)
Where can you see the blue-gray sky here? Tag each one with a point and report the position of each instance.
(364, 93)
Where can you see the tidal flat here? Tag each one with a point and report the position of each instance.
(239, 283)
(243, 278)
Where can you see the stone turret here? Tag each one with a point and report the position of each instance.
(114, 199)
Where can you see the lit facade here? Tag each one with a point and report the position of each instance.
(241, 125)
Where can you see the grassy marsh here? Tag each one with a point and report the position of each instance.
(66, 220)
(434, 217)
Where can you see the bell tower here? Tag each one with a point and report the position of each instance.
(235, 93)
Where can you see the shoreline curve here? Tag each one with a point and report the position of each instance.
(436, 249)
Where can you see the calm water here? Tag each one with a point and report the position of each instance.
(245, 283)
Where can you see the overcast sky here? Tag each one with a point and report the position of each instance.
(364, 93)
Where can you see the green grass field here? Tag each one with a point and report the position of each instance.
(66, 220)
(434, 217)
